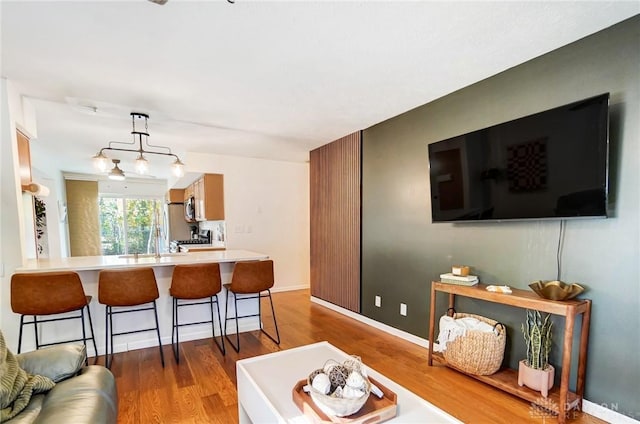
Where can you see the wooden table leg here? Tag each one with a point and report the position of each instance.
(432, 318)
(566, 365)
(582, 357)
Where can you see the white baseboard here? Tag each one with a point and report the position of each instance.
(373, 323)
(289, 288)
(606, 414)
(591, 408)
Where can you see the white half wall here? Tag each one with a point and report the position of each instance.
(266, 205)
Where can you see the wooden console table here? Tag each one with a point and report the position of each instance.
(560, 400)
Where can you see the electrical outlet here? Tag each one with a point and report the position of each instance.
(403, 309)
(378, 301)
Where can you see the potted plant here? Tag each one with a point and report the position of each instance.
(535, 372)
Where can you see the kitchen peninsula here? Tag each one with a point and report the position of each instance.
(88, 267)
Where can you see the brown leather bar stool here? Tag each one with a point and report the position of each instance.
(189, 285)
(250, 280)
(127, 290)
(46, 294)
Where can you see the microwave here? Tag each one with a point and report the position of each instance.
(190, 209)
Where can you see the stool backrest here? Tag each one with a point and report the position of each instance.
(45, 293)
(127, 287)
(195, 281)
(252, 276)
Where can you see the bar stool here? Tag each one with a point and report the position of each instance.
(46, 294)
(127, 290)
(188, 284)
(250, 280)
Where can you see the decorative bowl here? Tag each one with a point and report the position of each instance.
(333, 405)
(556, 290)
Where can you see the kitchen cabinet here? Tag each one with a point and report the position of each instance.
(175, 195)
(208, 192)
(24, 159)
(198, 194)
(188, 193)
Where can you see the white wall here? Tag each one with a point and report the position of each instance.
(11, 210)
(266, 206)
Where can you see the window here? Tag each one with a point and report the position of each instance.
(127, 225)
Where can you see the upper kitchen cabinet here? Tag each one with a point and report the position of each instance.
(24, 159)
(175, 195)
(208, 192)
(188, 193)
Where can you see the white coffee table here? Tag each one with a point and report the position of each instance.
(265, 385)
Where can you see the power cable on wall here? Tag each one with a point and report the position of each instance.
(559, 250)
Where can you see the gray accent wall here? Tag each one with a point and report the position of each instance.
(402, 251)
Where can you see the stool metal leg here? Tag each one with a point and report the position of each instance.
(84, 336)
(108, 330)
(155, 314)
(93, 335)
(20, 333)
(213, 330)
(273, 313)
(174, 330)
(35, 329)
(236, 346)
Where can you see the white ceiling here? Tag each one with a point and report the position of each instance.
(268, 79)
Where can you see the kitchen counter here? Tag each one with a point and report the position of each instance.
(88, 267)
(200, 247)
(88, 263)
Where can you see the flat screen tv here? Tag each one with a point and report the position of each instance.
(552, 164)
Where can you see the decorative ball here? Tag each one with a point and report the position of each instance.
(355, 380)
(321, 383)
(338, 376)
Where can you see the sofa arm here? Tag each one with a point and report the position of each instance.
(90, 397)
(56, 362)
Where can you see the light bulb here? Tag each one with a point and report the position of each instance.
(116, 177)
(100, 162)
(142, 165)
(178, 168)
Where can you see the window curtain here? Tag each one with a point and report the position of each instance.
(82, 216)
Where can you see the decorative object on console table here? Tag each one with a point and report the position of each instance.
(460, 270)
(472, 343)
(450, 278)
(556, 290)
(535, 372)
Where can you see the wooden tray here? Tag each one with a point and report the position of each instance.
(375, 410)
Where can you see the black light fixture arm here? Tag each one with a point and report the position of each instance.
(137, 151)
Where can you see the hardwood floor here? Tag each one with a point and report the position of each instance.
(202, 389)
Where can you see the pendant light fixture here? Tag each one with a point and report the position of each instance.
(101, 161)
(116, 173)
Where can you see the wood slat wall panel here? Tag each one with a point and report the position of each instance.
(335, 195)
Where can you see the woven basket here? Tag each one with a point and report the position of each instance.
(341, 407)
(477, 352)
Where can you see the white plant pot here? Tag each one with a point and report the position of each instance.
(540, 380)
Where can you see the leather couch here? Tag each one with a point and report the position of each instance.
(82, 394)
